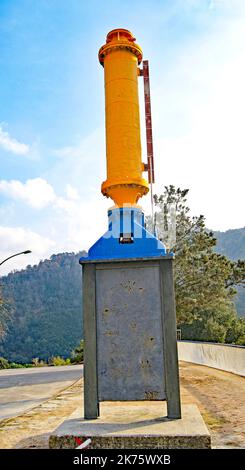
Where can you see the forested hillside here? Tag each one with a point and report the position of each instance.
(232, 244)
(46, 309)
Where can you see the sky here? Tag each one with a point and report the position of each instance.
(52, 137)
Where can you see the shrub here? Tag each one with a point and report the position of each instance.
(14, 365)
(42, 364)
(4, 364)
(35, 361)
(57, 361)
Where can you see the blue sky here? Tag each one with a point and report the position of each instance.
(52, 146)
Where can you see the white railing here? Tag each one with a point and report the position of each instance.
(226, 357)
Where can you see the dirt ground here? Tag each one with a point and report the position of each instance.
(220, 397)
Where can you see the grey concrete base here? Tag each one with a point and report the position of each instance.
(134, 425)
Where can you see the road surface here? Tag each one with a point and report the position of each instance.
(21, 389)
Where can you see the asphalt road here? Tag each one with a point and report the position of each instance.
(22, 389)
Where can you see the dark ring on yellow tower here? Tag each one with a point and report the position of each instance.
(120, 39)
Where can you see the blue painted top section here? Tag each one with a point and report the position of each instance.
(126, 237)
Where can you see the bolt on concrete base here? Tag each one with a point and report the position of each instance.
(134, 425)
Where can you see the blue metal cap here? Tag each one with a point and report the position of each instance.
(126, 237)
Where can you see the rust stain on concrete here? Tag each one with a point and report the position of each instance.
(111, 333)
(133, 326)
(151, 395)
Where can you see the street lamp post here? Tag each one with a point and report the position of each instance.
(16, 254)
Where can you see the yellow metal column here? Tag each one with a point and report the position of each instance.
(120, 57)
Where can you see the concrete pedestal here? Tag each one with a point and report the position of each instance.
(129, 324)
(134, 425)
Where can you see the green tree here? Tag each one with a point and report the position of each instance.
(5, 314)
(4, 364)
(236, 332)
(209, 326)
(204, 280)
(78, 353)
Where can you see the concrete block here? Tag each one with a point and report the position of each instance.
(134, 425)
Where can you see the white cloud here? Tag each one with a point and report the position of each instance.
(12, 145)
(81, 163)
(80, 223)
(16, 239)
(36, 192)
(71, 192)
(39, 194)
(19, 239)
(73, 222)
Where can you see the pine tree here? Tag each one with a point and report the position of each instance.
(205, 281)
(5, 314)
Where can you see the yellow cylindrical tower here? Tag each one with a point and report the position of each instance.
(120, 57)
